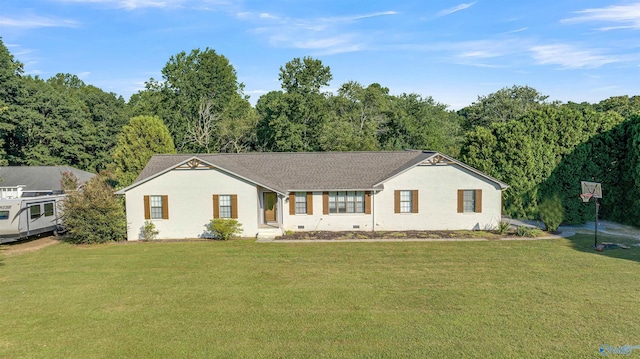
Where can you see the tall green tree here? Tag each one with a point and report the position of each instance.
(11, 90)
(421, 123)
(293, 120)
(49, 128)
(106, 112)
(58, 121)
(304, 76)
(624, 105)
(143, 137)
(190, 82)
(501, 106)
(358, 115)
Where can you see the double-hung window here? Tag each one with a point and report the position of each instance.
(156, 207)
(346, 202)
(225, 206)
(406, 201)
(469, 201)
(301, 203)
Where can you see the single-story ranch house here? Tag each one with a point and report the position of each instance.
(270, 193)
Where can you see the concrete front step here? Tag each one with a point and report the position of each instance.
(268, 233)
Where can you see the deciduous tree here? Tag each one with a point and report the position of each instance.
(199, 78)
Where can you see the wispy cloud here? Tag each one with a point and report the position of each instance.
(132, 4)
(628, 16)
(266, 15)
(324, 36)
(488, 48)
(571, 57)
(454, 9)
(357, 17)
(516, 30)
(31, 22)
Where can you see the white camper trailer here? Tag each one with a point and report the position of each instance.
(29, 216)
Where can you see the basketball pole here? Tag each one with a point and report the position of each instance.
(595, 233)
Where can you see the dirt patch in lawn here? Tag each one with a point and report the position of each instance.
(351, 235)
(27, 245)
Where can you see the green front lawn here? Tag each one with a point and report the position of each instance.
(545, 298)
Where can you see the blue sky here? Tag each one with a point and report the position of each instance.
(570, 50)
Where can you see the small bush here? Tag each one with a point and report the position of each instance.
(503, 227)
(224, 228)
(551, 212)
(148, 231)
(524, 231)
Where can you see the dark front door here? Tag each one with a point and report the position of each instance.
(270, 207)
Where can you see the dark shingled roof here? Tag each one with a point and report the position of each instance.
(305, 171)
(45, 178)
(311, 171)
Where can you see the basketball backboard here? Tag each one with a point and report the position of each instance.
(593, 188)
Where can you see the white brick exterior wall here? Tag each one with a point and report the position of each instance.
(437, 198)
(190, 203)
(190, 196)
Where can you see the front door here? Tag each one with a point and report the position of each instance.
(270, 207)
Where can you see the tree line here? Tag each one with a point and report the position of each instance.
(541, 148)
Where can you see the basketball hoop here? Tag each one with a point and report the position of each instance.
(586, 197)
(592, 190)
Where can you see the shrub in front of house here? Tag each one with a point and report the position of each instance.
(224, 228)
(149, 231)
(551, 212)
(94, 214)
(503, 227)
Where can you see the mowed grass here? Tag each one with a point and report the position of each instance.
(510, 299)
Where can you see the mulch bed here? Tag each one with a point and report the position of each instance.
(328, 235)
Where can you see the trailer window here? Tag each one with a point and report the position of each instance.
(35, 211)
(4, 215)
(48, 209)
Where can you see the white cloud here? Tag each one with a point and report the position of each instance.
(487, 48)
(83, 75)
(133, 4)
(323, 43)
(357, 17)
(451, 10)
(31, 22)
(628, 16)
(328, 35)
(571, 57)
(516, 30)
(266, 15)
